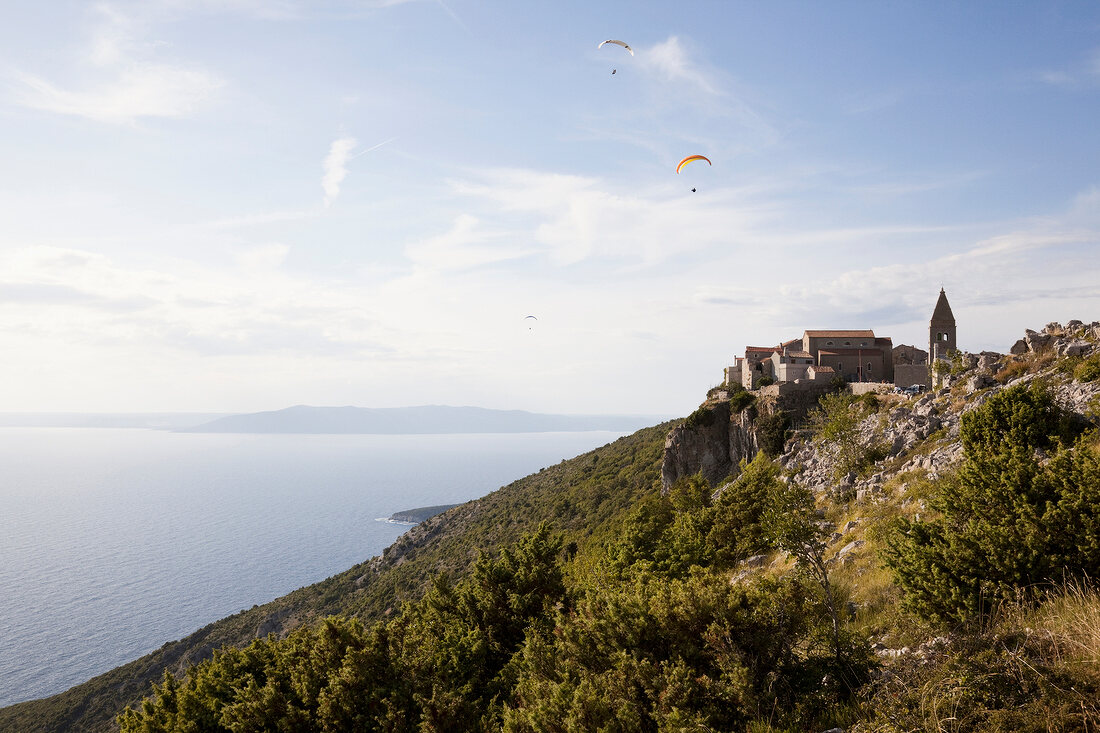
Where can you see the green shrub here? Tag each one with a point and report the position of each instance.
(771, 432)
(740, 400)
(701, 418)
(766, 380)
(1008, 523)
(1088, 370)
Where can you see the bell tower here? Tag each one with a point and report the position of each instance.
(941, 330)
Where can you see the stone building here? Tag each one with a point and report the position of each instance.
(854, 355)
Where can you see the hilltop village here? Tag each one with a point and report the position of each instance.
(819, 358)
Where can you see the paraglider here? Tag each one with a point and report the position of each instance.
(689, 159)
(617, 43)
(530, 325)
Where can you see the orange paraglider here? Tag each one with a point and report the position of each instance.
(690, 159)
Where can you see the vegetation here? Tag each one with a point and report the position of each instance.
(836, 427)
(771, 432)
(1009, 522)
(521, 644)
(741, 399)
(1088, 369)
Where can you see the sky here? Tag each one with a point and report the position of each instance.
(241, 205)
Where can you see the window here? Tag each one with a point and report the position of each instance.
(839, 367)
(828, 343)
(868, 367)
(847, 343)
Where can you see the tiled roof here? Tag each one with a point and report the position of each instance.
(822, 369)
(800, 354)
(841, 334)
(761, 348)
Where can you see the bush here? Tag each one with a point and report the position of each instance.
(771, 432)
(1088, 370)
(702, 417)
(766, 380)
(1008, 523)
(740, 400)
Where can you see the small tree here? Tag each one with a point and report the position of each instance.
(791, 524)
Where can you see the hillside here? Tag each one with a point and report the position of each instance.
(896, 564)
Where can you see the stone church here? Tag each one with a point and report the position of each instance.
(854, 355)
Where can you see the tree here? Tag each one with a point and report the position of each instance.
(835, 422)
(792, 525)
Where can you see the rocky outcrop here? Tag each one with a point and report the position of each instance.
(711, 442)
(1075, 338)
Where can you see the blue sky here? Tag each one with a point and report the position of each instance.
(238, 205)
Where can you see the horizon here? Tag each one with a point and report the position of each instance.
(217, 206)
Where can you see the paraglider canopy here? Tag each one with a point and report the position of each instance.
(691, 158)
(529, 318)
(617, 43)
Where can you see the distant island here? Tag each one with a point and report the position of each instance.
(426, 419)
(416, 516)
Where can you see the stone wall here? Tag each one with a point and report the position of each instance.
(906, 374)
(858, 388)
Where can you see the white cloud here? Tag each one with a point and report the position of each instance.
(1082, 75)
(128, 86)
(670, 60)
(263, 257)
(142, 90)
(335, 167)
(467, 244)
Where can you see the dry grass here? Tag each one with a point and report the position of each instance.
(1069, 618)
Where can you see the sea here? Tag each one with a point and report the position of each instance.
(116, 541)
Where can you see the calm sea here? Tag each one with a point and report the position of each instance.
(115, 541)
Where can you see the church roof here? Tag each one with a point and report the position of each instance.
(869, 334)
(942, 314)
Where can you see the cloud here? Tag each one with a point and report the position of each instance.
(670, 60)
(467, 244)
(1082, 75)
(335, 167)
(128, 85)
(142, 90)
(263, 257)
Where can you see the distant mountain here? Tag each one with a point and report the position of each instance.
(415, 420)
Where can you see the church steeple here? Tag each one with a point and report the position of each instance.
(941, 330)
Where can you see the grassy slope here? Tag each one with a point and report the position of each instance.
(583, 497)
